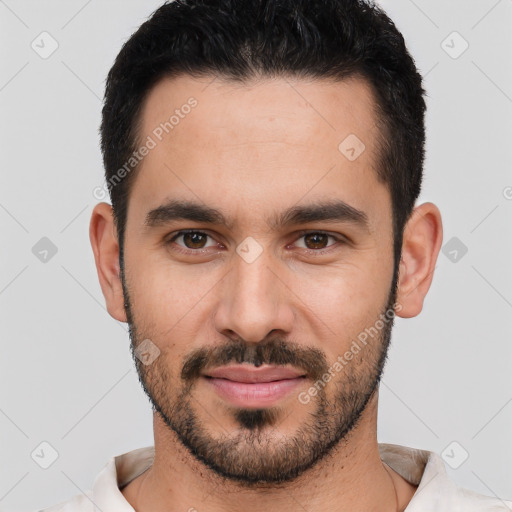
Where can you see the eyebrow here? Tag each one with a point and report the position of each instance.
(320, 211)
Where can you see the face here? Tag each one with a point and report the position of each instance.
(255, 238)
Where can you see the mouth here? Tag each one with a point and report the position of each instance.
(249, 387)
(249, 374)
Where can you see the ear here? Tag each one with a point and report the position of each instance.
(104, 241)
(423, 236)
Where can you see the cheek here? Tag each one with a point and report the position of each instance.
(346, 299)
(164, 294)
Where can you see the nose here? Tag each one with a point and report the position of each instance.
(254, 301)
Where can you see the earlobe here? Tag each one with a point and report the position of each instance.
(105, 246)
(423, 235)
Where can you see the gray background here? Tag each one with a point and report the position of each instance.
(66, 373)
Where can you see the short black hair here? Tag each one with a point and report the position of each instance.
(244, 39)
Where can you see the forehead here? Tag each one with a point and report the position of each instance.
(270, 141)
(280, 110)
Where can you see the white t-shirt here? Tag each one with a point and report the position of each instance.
(435, 492)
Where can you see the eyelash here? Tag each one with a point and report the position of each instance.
(301, 234)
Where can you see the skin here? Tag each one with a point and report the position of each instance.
(253, 151)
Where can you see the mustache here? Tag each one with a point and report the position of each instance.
(311, 361)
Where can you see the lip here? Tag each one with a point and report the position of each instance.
(249, 387)
(248, 374)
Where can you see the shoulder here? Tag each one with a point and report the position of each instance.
(435, 489)
(78, 503)
(471, 501)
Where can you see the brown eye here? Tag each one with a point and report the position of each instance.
(193, 240)
(316, 240)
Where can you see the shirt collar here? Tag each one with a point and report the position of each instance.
(436, 491)
(117, 473)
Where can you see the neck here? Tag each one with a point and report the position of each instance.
(352, 477)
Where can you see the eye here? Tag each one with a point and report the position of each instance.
(192, 240)
(316, 241)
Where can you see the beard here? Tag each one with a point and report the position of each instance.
(256, 454)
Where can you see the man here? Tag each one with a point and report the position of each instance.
(263, 159)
